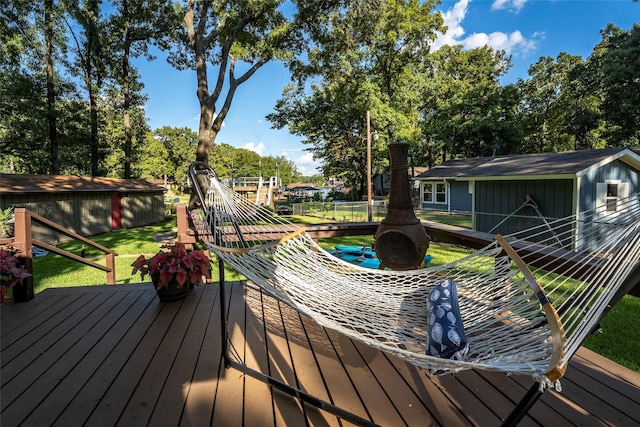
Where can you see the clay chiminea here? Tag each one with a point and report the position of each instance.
(401, 241)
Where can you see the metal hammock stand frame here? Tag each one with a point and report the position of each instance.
(230, 362)
(196, 170)
(517, 414)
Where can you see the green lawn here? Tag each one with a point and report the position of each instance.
(619, 336)
(54, 271)
(618, 341)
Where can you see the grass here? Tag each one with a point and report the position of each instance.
(460, 220)
(441, 253)
(619, 335)
(55, 271)
(618, 341)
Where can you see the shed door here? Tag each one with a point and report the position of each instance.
(116, 211)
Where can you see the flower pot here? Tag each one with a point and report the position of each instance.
(6, 295)
(172, 292)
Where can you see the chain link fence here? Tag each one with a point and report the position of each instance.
(341, 211)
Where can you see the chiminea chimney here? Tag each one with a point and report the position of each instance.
(401, 241)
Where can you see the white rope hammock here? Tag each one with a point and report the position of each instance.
(525, 306)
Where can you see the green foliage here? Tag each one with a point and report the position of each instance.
(170, 149)
(153, 159)
(614, 66)
(547, 104)
(6, 219)
(45, 125)
(346, 58)
(466, 111)
(229, 162)
(219, 35)
(618, 338)
(365, 57)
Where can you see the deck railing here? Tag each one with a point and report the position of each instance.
(23, 241)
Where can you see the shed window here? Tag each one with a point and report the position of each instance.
(609, 195)
(434, 192)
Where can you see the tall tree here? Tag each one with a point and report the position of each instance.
(32, 42)
(366, 57)
(236, 38)
(543, 105)
(112, 132)
(134, 27)
(223, 33)
(36, 90)
(91, 53)
(49, 24)
(614, 67)
(465, 112)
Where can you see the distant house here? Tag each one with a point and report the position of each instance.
(84, 205)
(504, 189)
(300, 191)
(440, 189)
(381, 180)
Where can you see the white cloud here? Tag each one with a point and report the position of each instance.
(306, 165)
(306, 159)
(251, 146)
(512, 43)
(452, 20)
(291, 150)
(514, 5)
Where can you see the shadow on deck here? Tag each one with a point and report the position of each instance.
(116, 355)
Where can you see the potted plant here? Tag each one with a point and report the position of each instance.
(6, 222)
(174, 270)
(11, 272)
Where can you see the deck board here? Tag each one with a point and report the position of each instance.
(116, 355)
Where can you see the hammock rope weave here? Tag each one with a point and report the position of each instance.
(527, 300)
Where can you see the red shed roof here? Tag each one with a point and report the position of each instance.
(13, 183)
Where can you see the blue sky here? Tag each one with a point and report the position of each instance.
(526, 29)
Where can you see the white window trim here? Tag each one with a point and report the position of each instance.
(434, 192)
(602, 199)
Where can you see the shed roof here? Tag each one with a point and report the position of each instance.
(453, 168)
(14, 183)
(567, 163)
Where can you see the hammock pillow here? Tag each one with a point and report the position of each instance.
(445, 332)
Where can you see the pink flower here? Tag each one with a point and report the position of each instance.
(11, 272)
(174, 262)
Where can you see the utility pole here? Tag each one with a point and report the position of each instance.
(369, 207)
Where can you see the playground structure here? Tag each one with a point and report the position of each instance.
(261, 191)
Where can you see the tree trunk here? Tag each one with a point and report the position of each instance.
(126, 91)
(206, 133)
(93, 96)
(51, 96)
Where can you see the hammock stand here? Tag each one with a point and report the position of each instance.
(509, 318)
(230, 362)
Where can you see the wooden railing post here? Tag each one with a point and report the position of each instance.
(111, 264)
(182, 221)
(23, 292)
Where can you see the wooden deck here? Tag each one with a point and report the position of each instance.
(116, 355)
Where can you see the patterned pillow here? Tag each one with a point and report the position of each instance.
(445, 332)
